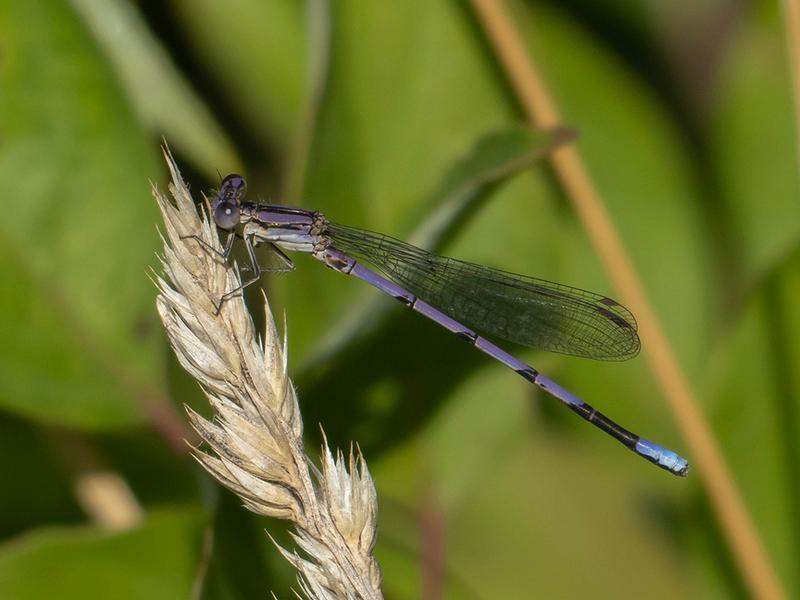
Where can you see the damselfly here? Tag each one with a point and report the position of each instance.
(462, 297)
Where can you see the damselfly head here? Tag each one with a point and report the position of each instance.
(231, 189)
(226, 203)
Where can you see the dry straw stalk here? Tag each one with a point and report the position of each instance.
(256, 437)
(536, 100)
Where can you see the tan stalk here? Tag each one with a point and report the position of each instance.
(791, 17)
(536, 100)
(256, 436)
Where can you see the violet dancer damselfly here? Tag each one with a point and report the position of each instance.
(462, 297)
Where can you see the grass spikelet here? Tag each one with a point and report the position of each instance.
(255, 441)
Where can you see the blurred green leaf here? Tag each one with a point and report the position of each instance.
(755, 388)
(384, 142)
(159, 559)
(638, 159)
(651, 190)
(409, 370)
(496, 157)
(651, 193)
(756, 220)
(503, 481)
(257, 52)
(626, 17)
(240, 554)
(160, 94)
(753, 141)
(42, 490)
(386, 136)
(537, 520)
(80, 322)
(635, 153)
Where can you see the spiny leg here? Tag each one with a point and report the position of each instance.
(226, 251)
(257, 269)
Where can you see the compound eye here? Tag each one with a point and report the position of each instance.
(226, 215)
(232, 188)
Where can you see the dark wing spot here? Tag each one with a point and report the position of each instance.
(615, 318)
(610, 302)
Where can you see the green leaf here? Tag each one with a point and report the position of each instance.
(161, 96)
(543, 520)
(42, 491)
(495, 158)
(386, 136)
(753, 143)
(634, 152)
(379, 144)
(637, 157)
(256, 51)
(79, 310)
(754, 385)
(159, 559)
(501, 479)
(244, 562)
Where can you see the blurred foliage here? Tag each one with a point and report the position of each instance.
(395, 117)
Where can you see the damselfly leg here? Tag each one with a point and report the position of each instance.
(250, 242)
(224, 253)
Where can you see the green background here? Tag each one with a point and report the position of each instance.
(385, 115)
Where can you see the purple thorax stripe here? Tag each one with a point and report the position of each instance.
(275, 217)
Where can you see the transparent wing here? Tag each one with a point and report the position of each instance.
(524, 310)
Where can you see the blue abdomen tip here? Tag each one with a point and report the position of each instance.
(664, 458)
